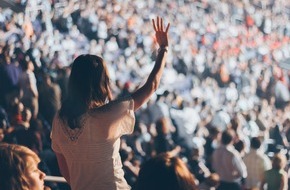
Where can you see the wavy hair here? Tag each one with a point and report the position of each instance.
(13, 166)
(88, 88)
(165, 172)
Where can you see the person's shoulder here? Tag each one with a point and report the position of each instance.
(283, 172)
(123, 104)
(116, 105)
(247, 156)
(122, 100)
(266, 158)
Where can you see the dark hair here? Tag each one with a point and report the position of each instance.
(213, 131)
(165, 172)
(227, 136)
(255, 143)
(24, 63)
(88, 88)
(124, 154)
(239, 146)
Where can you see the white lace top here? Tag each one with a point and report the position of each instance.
(92, 151)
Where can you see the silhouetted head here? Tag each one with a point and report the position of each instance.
(88, 88)
(165, 172)
(256, 143)
(89, 81)
(227, 136)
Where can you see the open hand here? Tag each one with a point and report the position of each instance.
(160, 34)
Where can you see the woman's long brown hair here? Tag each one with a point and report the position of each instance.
(88, 88)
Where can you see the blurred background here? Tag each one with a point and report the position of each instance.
(228, 67)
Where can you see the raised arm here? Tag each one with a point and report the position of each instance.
(142, 95)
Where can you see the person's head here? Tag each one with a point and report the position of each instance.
(240, 147)
(19, 168)
(279, 161)
(47, 79)
(27, 64)
(165, 172)
(26, 115)
(89, 81)
(88, 88)
(227, 136)
(235, 123)
(213, 132)
(255, 143)
(17, 107)
(126, 154)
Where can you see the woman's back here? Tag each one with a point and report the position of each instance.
(87, 143)
(93, 149)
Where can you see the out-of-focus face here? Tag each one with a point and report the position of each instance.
(34, 176)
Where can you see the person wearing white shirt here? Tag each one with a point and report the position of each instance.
(228, 164)
(257, 163)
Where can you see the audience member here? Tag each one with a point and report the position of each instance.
(19, 168)
(163, 141)
(49, 98)
(257, 162)
(86, 132)
(197, 165)
(228, 164)
(228, 61)
(276, 178)
(165, 172)
(27, 83)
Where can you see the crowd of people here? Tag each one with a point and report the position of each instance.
(224, 91)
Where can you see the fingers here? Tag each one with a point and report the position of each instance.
(167, 28)
(161, 23)
(158, 25)
(154, 26)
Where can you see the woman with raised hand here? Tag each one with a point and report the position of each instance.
(86, 131)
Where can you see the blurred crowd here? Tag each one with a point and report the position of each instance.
(227, 69)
